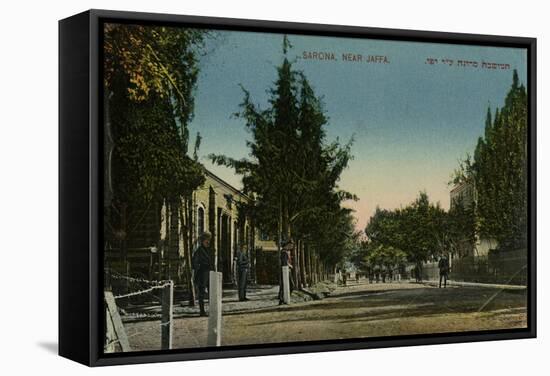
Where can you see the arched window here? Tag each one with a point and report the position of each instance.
(200, 220)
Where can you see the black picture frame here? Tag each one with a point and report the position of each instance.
(80, 187)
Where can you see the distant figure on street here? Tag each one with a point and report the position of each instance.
(241, 259)
(443, 270)
(344, 277)
(370, 274)
(201, 269)
(286, 260)
(418, 273)
(356, 277)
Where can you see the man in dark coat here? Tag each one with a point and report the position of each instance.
(286, 260)
(241, 259)
(201, 268)
(443, 270)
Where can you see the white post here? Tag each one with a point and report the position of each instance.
(167, 316)
(215, 309)
(286, 285)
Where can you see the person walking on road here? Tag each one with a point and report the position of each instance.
(443, 271)
(241, 259)
(201, 269)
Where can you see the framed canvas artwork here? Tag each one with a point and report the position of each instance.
(239, 187)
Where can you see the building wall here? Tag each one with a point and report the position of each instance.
(217, 203)
(215, 208)
(484, 245)
(467, 194)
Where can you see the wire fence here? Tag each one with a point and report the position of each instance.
(121, 290)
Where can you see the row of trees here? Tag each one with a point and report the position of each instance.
(498, 172)
(415, 234)
(150, 74)
(383, 258)
(293, 172)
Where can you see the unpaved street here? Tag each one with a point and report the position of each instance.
(358, 310)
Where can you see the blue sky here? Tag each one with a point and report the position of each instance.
(412, 121)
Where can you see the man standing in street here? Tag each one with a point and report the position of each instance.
(241, 259)
(286, 260)
(443, 270)
(201, 268)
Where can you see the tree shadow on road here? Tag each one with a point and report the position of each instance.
(391, 304)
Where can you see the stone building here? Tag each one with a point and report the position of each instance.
(217, 209)
(162, 234)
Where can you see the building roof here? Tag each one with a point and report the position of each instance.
(226, 184)
(460, 186)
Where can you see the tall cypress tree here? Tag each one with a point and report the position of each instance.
(292, 173)
(499, 171)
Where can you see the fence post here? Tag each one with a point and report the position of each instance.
(117, 326)
(215, 309)
(286, 285)
(167, 319)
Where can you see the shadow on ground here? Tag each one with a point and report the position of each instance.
(395, 303)
(50, 347)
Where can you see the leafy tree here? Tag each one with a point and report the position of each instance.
(420, 230)
(147, 60)
(385, 227)
(379, 256)
(150, 75)
(292, 173)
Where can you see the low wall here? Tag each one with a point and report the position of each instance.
(505, 267)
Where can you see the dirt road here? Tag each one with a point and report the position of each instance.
(356, 311)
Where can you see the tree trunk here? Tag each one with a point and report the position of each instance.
(319, 271)
(187, 250)
(313, 270)
(173, 236)
(312, 267)
(303, 265)
(252, 248)
(123, 233)
(297, 265)
(279, 238)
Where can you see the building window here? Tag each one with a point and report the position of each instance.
(200, 221)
